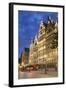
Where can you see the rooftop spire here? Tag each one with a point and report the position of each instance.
(41, 20)
(42, 26)
(49, 19)
(56, 23)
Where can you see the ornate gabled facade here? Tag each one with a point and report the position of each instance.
(44, 48)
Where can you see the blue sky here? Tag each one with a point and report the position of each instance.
(28, 26)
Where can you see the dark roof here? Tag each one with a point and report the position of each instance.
(26, 49)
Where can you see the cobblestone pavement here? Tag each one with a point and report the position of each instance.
(37, 74)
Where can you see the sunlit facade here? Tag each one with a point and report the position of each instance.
(44, 48)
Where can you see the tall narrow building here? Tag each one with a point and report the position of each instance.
(25, 56)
